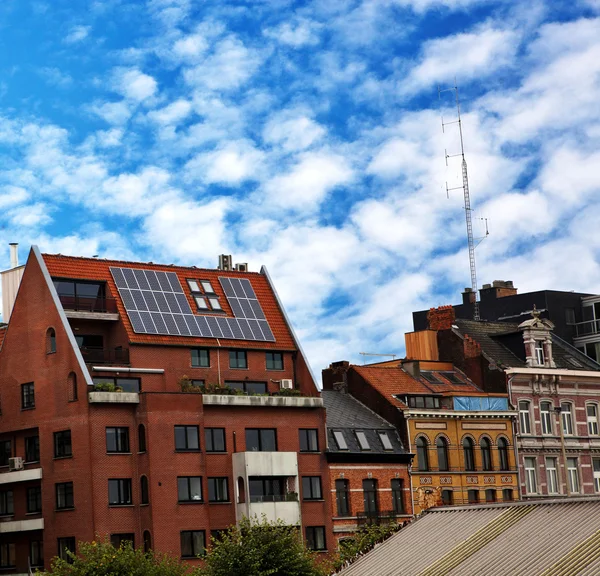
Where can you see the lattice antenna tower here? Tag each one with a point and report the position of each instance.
(467, 196)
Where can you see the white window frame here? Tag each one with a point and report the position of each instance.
(566, 419)
(546, 419)
(592, 421)
(525, 417)
(573, 476)
(539, 352)
(596, 473)
(531, 486)
(552, 475)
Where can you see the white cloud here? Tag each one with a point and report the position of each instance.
(29, 216)
(299, 33)
(112, 112)
(77, 34)
(190, 47)
(173, 113)
(11, 195)
(133, 84)
(56, 77)
(292, 130)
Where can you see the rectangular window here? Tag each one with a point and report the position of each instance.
(362, 440)
(570, 315)
(473, 496)
(7, 555)
(447, 497)
(398, 496)
(266, 488)
(200, 358)
(370, 499)
(311, 488)
(32, 449)
(218, 490)
(507, 494)
(385, 441)
(117, 440)
(36, 553)
(573, 475)
(7, 507)
(118, 540)
(27, 396)
(207, 287)
(274, 361)
(193, 543)
(62, 444)
(546, 417)
(567, 418)
(261, 440)
(189, 489)
(539, 352)
(34, 500)
(340, 440)
(490, 495)
(5, 452)
(530, 476)
(123, 384)
(64, 496)
(214, 439)
(66, 546)
(309, 440)
(524, 417)
(119, 492)
(315, 537)
(342, 496)
(248, 387)
(552, 476)
(596, 469)
(238, 359)
(592, 419)
(187, 438)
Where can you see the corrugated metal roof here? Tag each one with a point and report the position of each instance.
(548, 538)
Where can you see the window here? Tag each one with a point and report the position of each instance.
(422, 455)
(32, 449)
(147, 541)
(207, 286)
(274, 361)
(119, 492)
(125, 384)
(5, 452)
(342, 496)
(452, 377)
(214, 439)
(50, 341)
(570, 315)
(238, 359)
(486, 454)
(340, 440)
(186, 438)
(266, 488)
(309, 440)
(141, 438)
(442, 453)
(36, 553)
(362, 440)
(573, 475)
(261, 440)
(189, 489)
(370, 497)
(490, 495)
(530, 476)
(144, 493)
(64, 496)
(539, 352)
(592, 419)
(524, 417)
(193, 543)
(398, 496)
(311, 488)
(507, 494)
(423, 401)
(117, 440)
(566, 417)
(27, 396)
(315, 537)
(124, 540)
(430, 377)
(6, 503)
(546, 417)
(218, 490)
(7, 555)
(552, 476)
(447, 497)
(34, 500)
(596, 470)
(248, 387)
(200, 358)
(385, 441)
(62, 444)
(503, 453)
(473, 496)
(66, 546)
(469, 454)
(208, 299)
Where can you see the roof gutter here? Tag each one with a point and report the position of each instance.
(124, 369)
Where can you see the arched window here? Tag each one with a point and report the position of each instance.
(144, 498)
(486, 454)
(442, 453)
(503, 453)
(469, 454)
(147, 541)
(50, 341)
(72, 387)
(241, 490)
(422, 456)
(141, 438)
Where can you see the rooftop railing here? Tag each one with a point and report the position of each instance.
(587, 328)
(105, 355)
(88, 304)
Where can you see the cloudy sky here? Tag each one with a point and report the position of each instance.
(306, 136)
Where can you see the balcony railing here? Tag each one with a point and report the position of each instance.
(87, 304)
(587, 328)
(105, 355)
(377, 517)
(289, 497)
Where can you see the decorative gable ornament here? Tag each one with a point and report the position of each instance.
(537, 338)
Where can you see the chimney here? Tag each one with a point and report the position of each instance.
(498, 289)
(468, 296)
(14, 254)
(421, 345)
(441, 318)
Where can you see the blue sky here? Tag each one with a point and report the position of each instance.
(306, 136)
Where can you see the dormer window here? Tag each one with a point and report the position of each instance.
(539, 352)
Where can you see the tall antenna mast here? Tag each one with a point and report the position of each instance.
(467, 195)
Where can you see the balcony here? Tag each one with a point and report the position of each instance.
(105, 355)
(262, 401)
(89, 308)
(113, 398)
(288, 512)
(587, 328)
(21, 476)
(12, 526)
(377, 517)
(247, 464)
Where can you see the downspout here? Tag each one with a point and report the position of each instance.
(219, 362)
(515, 447)
(410, 475)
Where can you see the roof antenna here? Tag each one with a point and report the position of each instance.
(467, 196)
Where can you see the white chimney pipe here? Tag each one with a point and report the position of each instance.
(14, 254)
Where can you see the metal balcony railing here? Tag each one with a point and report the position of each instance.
(105, 355)
(587, 328)
(377, 517)
(87, 304)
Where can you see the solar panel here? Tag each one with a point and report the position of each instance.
(157, 304)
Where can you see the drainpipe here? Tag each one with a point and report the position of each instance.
(219, 361)
(410, 474)
(515, 441)
(557, 409)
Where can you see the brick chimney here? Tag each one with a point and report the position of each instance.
(497, 289)
(468, 296)
(472, 349)
(441, 318)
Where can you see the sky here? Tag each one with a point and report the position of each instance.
(307, 137)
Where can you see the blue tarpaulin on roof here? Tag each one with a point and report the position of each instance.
(476, 403)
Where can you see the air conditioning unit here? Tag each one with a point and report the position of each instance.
(225, 262)
(15, 463)
(242, 267)
(286, 384)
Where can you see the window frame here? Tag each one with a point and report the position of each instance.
(491, 495)
(552, 473)
(447, 501)
(397, 487)
(36, 553)
(505, 492)
(209, 440)
(531, 479)
(502, 445)
(273, 361)
(370, 488)
(118, 440)
(121, 485)
(261, 441)
(51, 341)
(63, 492)
(422, 454)
(312, 534)
(215, 480)
(485, 446)
(7, 503)
(118, 539)
(308, 440)
(144, 490)
(66, 543)
(36, 448)
(363, 441)
(469, 454)
(60, 444)
(342, 496)
(194, 554)
(190, 499)
(5, 454)
(312, 488)
(235, 357)
(546, 420)
(243, 385)
(142, 447)
(540, 356)
(566, 419)
(473, 496)
(36, 491)
(187, 428)
(596, 474)
(7, 552)
(200, 363)
(525, 418)
(441, 447)
(573, 475)
(28, 396)
(340, 440)
(593, 427)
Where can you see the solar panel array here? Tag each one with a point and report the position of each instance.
(156, 304)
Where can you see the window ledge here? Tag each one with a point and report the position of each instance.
(183, 451)
(63, 457)
(27, 408)
(64, 509)
(312, 500)
(119, 453)
(217, 452)
(145, 504)
(3, 516)
(220, 502)
(185, 502)
(121, 505)
(31, 462)
(33, 513)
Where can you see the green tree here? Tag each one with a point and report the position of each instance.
(102, 559)
(261, 548)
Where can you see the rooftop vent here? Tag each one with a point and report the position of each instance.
(225, 262)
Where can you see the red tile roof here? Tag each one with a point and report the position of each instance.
(96, 269)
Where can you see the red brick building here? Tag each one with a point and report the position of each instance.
(103, 431)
